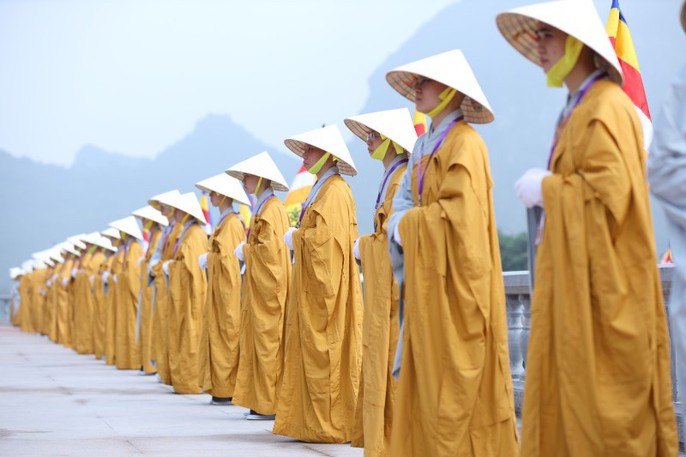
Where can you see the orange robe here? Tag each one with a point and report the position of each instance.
(144, 328)
(455, 394)
(265, 291)
(222, 321)
(598, 364)
(127, 356)
(324, 323)
(100, 307)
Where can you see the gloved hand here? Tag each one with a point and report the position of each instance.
(288, 237)
(65, 281)
(105, 277)
(165, 267)
(202, 261)
(74, 271)
(114, 278)
(528, 188)
(49, 282)
(356, 249)
(396, 236)
(238, 252)
(92, 278)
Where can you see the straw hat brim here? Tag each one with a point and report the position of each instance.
(362, 130)
(239, 176)
(404, 81)
(298, 148)
(520, 31)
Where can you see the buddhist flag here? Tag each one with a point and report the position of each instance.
(420, 123)
(300, 189)
(620, 36)
(667, 256)
(206, 212)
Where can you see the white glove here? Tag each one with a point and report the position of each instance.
(92, 278)
(288, 237)
(238, 252)
(114, 278)
(165, 267)
(73, 272)
(356, 249)
(528, 187)
(140, 259)
(396, 235)
(65, 281)
(49, 282)
(202, 261)
(105, 276)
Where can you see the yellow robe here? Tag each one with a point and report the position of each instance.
(38, 298)
(128, 288)
(187, 293)
(145, 325)
(598, 364)
(161, 331)
(455, 393)
(265, 291)
(25, 309)
(51, 324)
(324, 323)
(63, 302)
(71, 309)
(111, 304)
(81, 303)
(374, 415)
(100, 308)
(219, 357)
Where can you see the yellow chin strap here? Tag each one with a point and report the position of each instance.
(148, 224)
(381, 151)
(185, 219)
(314, 169)
(446, 97)
(257, 187)
(558, 72)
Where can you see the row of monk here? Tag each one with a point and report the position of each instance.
(421, 367)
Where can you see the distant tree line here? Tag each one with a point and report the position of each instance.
(513, 251)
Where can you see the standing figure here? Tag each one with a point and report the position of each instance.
(265, 288)
(598, 364)
(389, 136)
(324, 312)
(455, 394)
(222, 320)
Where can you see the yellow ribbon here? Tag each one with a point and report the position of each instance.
(314, 169)
(558, 72)
(446, 97)
(380, 152)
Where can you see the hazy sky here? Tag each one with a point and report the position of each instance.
(134, 76)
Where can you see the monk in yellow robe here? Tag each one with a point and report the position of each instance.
(61, 284)
(112, 302)
(145, 312)
(39, 276)
(389, 136)
(161, 304)
(128, 285)
(222, 320)
(455, 394)
(100, 305)
(187, 295)
(324, 313)
(598, 362)
(265, 288)
(25, 309)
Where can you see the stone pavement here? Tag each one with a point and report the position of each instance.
(54, 402)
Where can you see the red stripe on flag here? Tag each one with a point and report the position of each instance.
(633, 86)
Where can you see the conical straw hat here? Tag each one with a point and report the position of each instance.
(155, 201)
(111, 233)
(129, 226)
(151, 214)
(329, 139)
(226, 185)
(395, 124)
(261, 165)
(577, 18)
(452, 69)
(188, 203)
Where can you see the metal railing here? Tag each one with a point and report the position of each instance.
(518, 303)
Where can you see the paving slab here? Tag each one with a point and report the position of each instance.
(54, 402)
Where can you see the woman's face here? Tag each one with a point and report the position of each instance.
(311, 155)
(216, 199)
(373, 141)
(250, 183)
(165, 210)
(426, 92)
(551, 45)
(179, 215)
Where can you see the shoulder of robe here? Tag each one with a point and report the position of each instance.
(466, 146)
(608, 103)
